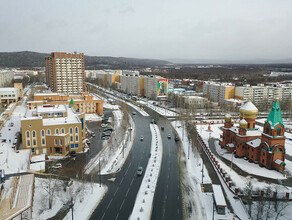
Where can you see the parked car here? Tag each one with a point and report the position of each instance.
(108, 129)
(134, 113)
(57, 166)
(169, 136)
(140, 171)
(92, 134)
(73, 154)
(106, 133)
(103, 125)
(141, 138)
(162, 128)
(105, 137)
(176, 138)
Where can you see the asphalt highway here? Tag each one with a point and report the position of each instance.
(120, 198)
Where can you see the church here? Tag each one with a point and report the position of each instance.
(267, 147)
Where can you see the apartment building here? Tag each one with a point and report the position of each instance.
(53, 130)
(218, 92)
(9, 95)
(84, 102)
(6, 77)
(65, 72)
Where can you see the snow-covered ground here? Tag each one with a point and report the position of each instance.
(160, 110)
(111, 156)
(192, 178)
(92, 117)
(144, 200)
(142, 112)
(85, 196)
(10, 160)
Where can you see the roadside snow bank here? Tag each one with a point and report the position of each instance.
(142, 112)
(144, 200)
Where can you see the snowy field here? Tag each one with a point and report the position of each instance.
(144, 201)
(85, 196)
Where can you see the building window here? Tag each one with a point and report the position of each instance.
(71, 138)
(56, 141)
(63, 130)
(43, 133)
(43, 141)
(76, 130)
(268, 130)
(263, 161)
(34, 142)
(57, 130)
(32, 150)
(76, 138)
(61, 142)
(28, 143)
(27, 134)
(264, 154)
(71, 130)
(33, 133)
(48, 131)
(278, 131)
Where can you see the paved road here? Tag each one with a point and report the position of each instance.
(167, 200)
(120, 198)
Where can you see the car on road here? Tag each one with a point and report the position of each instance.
(176, 138)
(73, 154)
(134, 113)
(103, 125)
(162, 128)
(106, 133)
(57, 166)
(141, 138)
(169, 136)
(92, 134)
(140, 171)
(105, 137)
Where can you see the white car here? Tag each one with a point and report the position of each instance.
(141, 138)
(57, 166)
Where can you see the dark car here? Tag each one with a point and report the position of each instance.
(73, 154)
(108, 129)
(176, 138)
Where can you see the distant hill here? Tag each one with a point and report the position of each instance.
(223, 62)
(33, 59)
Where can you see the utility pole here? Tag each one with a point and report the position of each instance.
(99, 174)
(202, 168)
(189, 149)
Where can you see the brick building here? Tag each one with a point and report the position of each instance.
(266, 148)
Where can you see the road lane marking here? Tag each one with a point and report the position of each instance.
(103, 216)
(116, 191)
(178, 197)
(127, 192)
(132, 182)
(117, 216)
(178, 211)
(109, 204)
(122, 181)
(122, 204)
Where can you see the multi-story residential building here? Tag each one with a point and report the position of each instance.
(84, 102)
(218, 92)
(53, 130)
(6, 77)
(9, 95)
(65, 72)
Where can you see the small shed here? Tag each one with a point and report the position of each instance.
(219, 199)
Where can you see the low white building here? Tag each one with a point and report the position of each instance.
(9, 95)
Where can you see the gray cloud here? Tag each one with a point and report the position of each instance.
(188, 29)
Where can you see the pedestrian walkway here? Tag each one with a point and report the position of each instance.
(18, 197)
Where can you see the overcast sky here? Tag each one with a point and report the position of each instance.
(163, 29)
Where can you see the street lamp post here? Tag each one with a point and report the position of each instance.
(202, 168)
(99, 174)
(189, 149)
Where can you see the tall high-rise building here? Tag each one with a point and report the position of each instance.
(65, 72)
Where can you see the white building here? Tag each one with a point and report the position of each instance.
(9, 95)
(6, 77)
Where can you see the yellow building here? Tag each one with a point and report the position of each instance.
(84, 102)
(53, 130)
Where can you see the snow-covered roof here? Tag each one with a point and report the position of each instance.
(249, 106)
(228, 116)
(8, 89)
(254, 143)
(36, 158)
(278, 161)
(255, 132)
(230, 145)
(56, 108)
(242, 121)
(218, 196)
